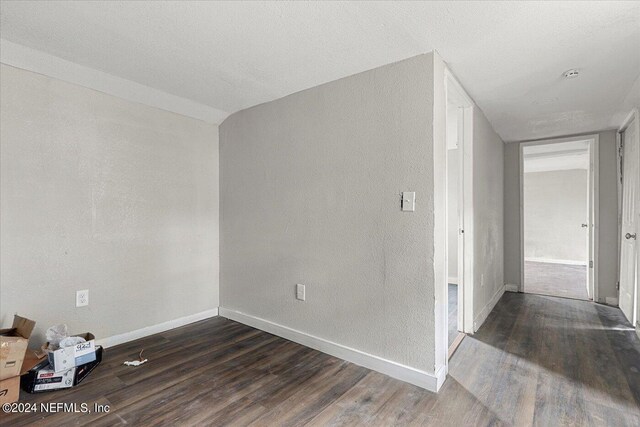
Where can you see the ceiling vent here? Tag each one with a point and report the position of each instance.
(571, 74)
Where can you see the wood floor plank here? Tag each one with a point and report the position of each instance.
(537, 360)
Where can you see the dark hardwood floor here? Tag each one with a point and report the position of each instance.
(536, 361)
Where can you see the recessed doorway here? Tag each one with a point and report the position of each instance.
(459, 140)
(559, 216)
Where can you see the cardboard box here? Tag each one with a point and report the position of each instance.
(66, 358)
(9, 390)
(13, 345)
(42, 378)
(83, 370)
(31, 359)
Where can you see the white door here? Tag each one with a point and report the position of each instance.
(630, 219)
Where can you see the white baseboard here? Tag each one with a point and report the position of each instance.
(154, 329)
(556, 261)
(408, 374)
(510, 287)
(484, 313)
(441, 376)
(453, 280)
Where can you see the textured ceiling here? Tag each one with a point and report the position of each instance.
(231, 55)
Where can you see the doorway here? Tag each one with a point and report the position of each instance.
(459, 259)
(559, 216)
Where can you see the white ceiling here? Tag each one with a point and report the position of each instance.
(231, 55)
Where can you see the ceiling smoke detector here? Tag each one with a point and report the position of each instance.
(571, 74)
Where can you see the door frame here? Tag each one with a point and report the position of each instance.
(633, 114)
(465, 205)
(594, 205)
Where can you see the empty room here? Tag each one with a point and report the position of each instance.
(319, 213)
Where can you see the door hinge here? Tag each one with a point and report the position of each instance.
(590, 264)
(618, 286)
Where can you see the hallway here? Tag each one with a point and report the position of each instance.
(548, 361)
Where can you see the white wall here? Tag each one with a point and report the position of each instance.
(453, 176)
(555, 207)
(453, 172)
(488, 227)
(608, 206)
(484, 164)
(103, 194)
(310, 188)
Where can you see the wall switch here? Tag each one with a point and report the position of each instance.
(82, 298)
(408, 201)
(300, 292)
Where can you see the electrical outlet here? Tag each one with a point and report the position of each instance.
(300, 294)
(82, 298)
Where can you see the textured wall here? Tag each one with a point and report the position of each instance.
(103, 194)
(453, 176)
(310, 186)
(488, 240)
(608, 204)
(555, 207)
(512, 256)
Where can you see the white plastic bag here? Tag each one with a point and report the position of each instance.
(71, 341)
(55, 334)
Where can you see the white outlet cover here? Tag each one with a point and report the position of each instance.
(82, 298)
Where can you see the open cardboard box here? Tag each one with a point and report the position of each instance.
(10, 387)
(13, 345)
(66, 358)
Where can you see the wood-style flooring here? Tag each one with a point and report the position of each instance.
(559, 280)
(453, 312)
(536, 361)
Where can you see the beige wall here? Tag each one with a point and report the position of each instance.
(555, 207)
(608, 206)
(103, 194)
(310, 185)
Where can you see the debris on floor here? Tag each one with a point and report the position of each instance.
(42, 376)
(62, 362)
(138, 362)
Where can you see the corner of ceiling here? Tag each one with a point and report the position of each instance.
(33, 60)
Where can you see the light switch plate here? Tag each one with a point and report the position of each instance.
(408, 201)
(300, 292)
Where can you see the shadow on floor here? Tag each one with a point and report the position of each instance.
(572, 353)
